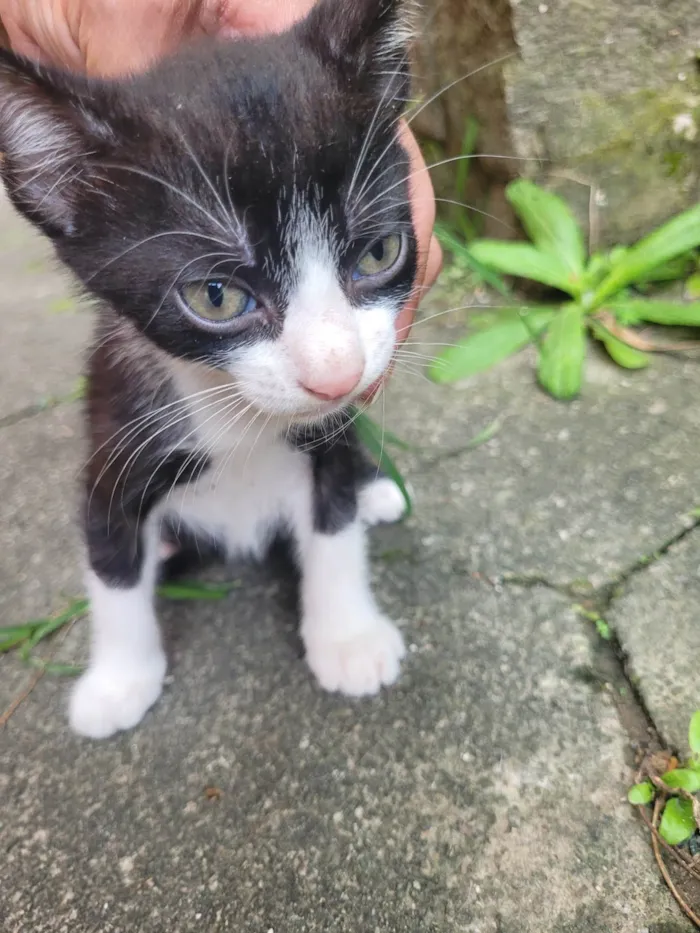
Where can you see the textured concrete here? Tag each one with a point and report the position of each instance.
(658, 622)
(44, 327)
(484, 794)
(574, 491)
(606, 93)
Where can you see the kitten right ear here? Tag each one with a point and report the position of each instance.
(47, 131)
(365, 39)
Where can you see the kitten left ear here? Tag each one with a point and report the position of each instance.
(367, 40)
(47, 131)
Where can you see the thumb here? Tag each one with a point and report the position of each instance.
(126, 38)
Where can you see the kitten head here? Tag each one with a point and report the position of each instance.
(245, 203)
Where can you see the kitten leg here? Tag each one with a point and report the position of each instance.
(351, 647)
(127, 662)
(381, 501)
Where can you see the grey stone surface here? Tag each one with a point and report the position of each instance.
(564, 491)
(484, 794)
(658, 623)
(607, 91)
(39, 562)
(43, 326)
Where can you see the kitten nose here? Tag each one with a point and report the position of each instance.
(333, 386)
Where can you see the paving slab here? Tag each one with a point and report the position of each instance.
(44, 326)
(567, 491)
(658, 623)
(39, 532)
(485, 793)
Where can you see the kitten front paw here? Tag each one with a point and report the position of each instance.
(360, 664)
(381, 501)
(108, 699)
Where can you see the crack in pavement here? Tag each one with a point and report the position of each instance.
(611, 659)
(43, 405)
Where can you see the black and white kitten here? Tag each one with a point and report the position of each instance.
(241, 213)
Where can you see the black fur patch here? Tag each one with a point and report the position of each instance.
(339, 468)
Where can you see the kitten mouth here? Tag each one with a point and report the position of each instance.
(319, 412)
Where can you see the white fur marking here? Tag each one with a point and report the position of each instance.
(127, 662)
(350, 646)
(381, 501)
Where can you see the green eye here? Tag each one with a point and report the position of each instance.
(214, 301)
(380, 257)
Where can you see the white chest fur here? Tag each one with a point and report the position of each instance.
(244, 497)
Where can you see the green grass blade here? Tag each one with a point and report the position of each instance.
(526, 262)
(563, 351)
(549, 223)
(462, 255)
(391, 438)
(483, 349)
(370, 435)
(679, 235)
(471, 133)
(43, 628)
(55, 667)
(694, 733)
(193, 590)
(16, 635)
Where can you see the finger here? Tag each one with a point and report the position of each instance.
(239, 17)
(423, 213)
(429, 250)
(128, 38)
(43, 37)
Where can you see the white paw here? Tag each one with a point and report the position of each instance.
(381, 501)
(109, 698)
(360, 664)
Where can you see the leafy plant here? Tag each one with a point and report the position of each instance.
(604, 300)
(679, 786)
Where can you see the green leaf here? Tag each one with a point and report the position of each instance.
(11, 637)
(560, 368)
(526, 262)
(603, 629)
(370, 435)
(694, 733)
(685, 778)
(549, 223)
(622, 353)
(692, 286)
(641, 793)
(54, 667)
(671, 271)
(482, 350)
(395, 441)
(45, 627)
(679, 235)
(672, 313)
(677, 823)
(462, 254)
(186, 590)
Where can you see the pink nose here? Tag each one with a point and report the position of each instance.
(332, 386)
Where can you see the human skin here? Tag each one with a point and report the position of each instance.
(112, 37)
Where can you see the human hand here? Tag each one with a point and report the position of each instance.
(111, 37)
